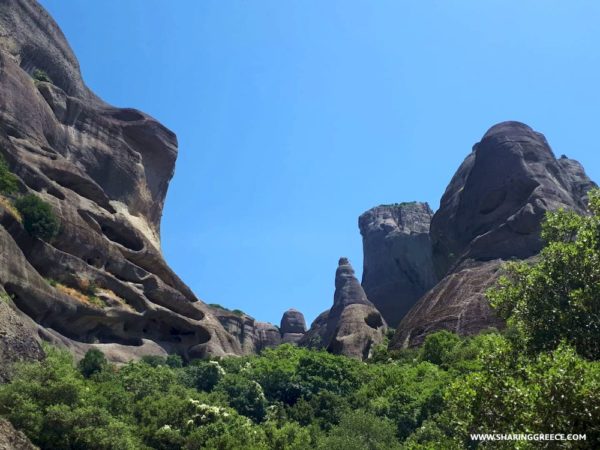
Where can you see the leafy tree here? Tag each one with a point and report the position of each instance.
(558, 297)
(93, 362)
(438, 347)
(174, 361)
(245, 396)
(361, 431)
(38, 217)
(202, 375)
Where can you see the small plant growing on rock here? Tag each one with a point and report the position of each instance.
(40, 75)
(8, 180)
(38, 217)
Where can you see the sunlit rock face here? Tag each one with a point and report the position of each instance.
(353, 326)
(105, 171)
(398, 267)
(491, 212)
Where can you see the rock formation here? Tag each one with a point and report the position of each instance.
(352, 326)
(293, 326)
(252, 335)
(398, 267)
(105, 171)
(490, 212)
(11, 439)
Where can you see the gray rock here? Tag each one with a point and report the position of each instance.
(353, 326)
(496, 201)
(292, 321)
(105, 171)
(398, 267)
(12, 439)
(490, 212)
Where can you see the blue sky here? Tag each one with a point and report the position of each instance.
(294, 117)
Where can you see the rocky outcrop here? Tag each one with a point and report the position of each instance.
(12, 439)
(252, 335)
(18, 338)
(353, 326)
(105, 171)
(293, 326)
(490, 212)
(398, 267)
(497, 199)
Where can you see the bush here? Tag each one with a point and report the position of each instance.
(245, 396)
(93, 362)
(8, 181)
(38, 217)
(40, 75)
(438, 347)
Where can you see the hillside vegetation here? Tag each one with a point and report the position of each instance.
(539, 375)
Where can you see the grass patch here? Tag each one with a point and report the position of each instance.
(7, 205)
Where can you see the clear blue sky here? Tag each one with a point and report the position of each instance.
(294, 117)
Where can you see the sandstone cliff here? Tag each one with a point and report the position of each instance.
(490, 212)
(398, 267)
(105, 171)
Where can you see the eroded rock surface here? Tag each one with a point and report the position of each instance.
(491, 212)
(398, 267)
(12, 439)
(353, 326)
(293, 326)
(103, 280)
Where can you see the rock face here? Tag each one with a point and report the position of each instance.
(18, 338)
(11, 439)
(497, 199)
(353, 326)
(293, 326)
(398, 267)
(105, 171)
(490, 212)
(253, 336)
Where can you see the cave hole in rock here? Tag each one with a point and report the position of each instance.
(120, 234)
(374, 320)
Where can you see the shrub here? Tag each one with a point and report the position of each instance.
(40, 75)
(93, 362)
(38, 217)
(8, 180)
(438, 347)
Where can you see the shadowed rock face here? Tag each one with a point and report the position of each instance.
(353, 326)
(293, 326)
(397, 268)
(490, 212)
(105, 171)
(496, 201)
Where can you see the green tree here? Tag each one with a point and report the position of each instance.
(558, 297)
(438, 347)
(38, 217)
(93, 362)
(361, 431)
(245, 396)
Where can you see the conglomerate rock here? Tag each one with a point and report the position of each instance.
(491, 212)
(397, 268)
